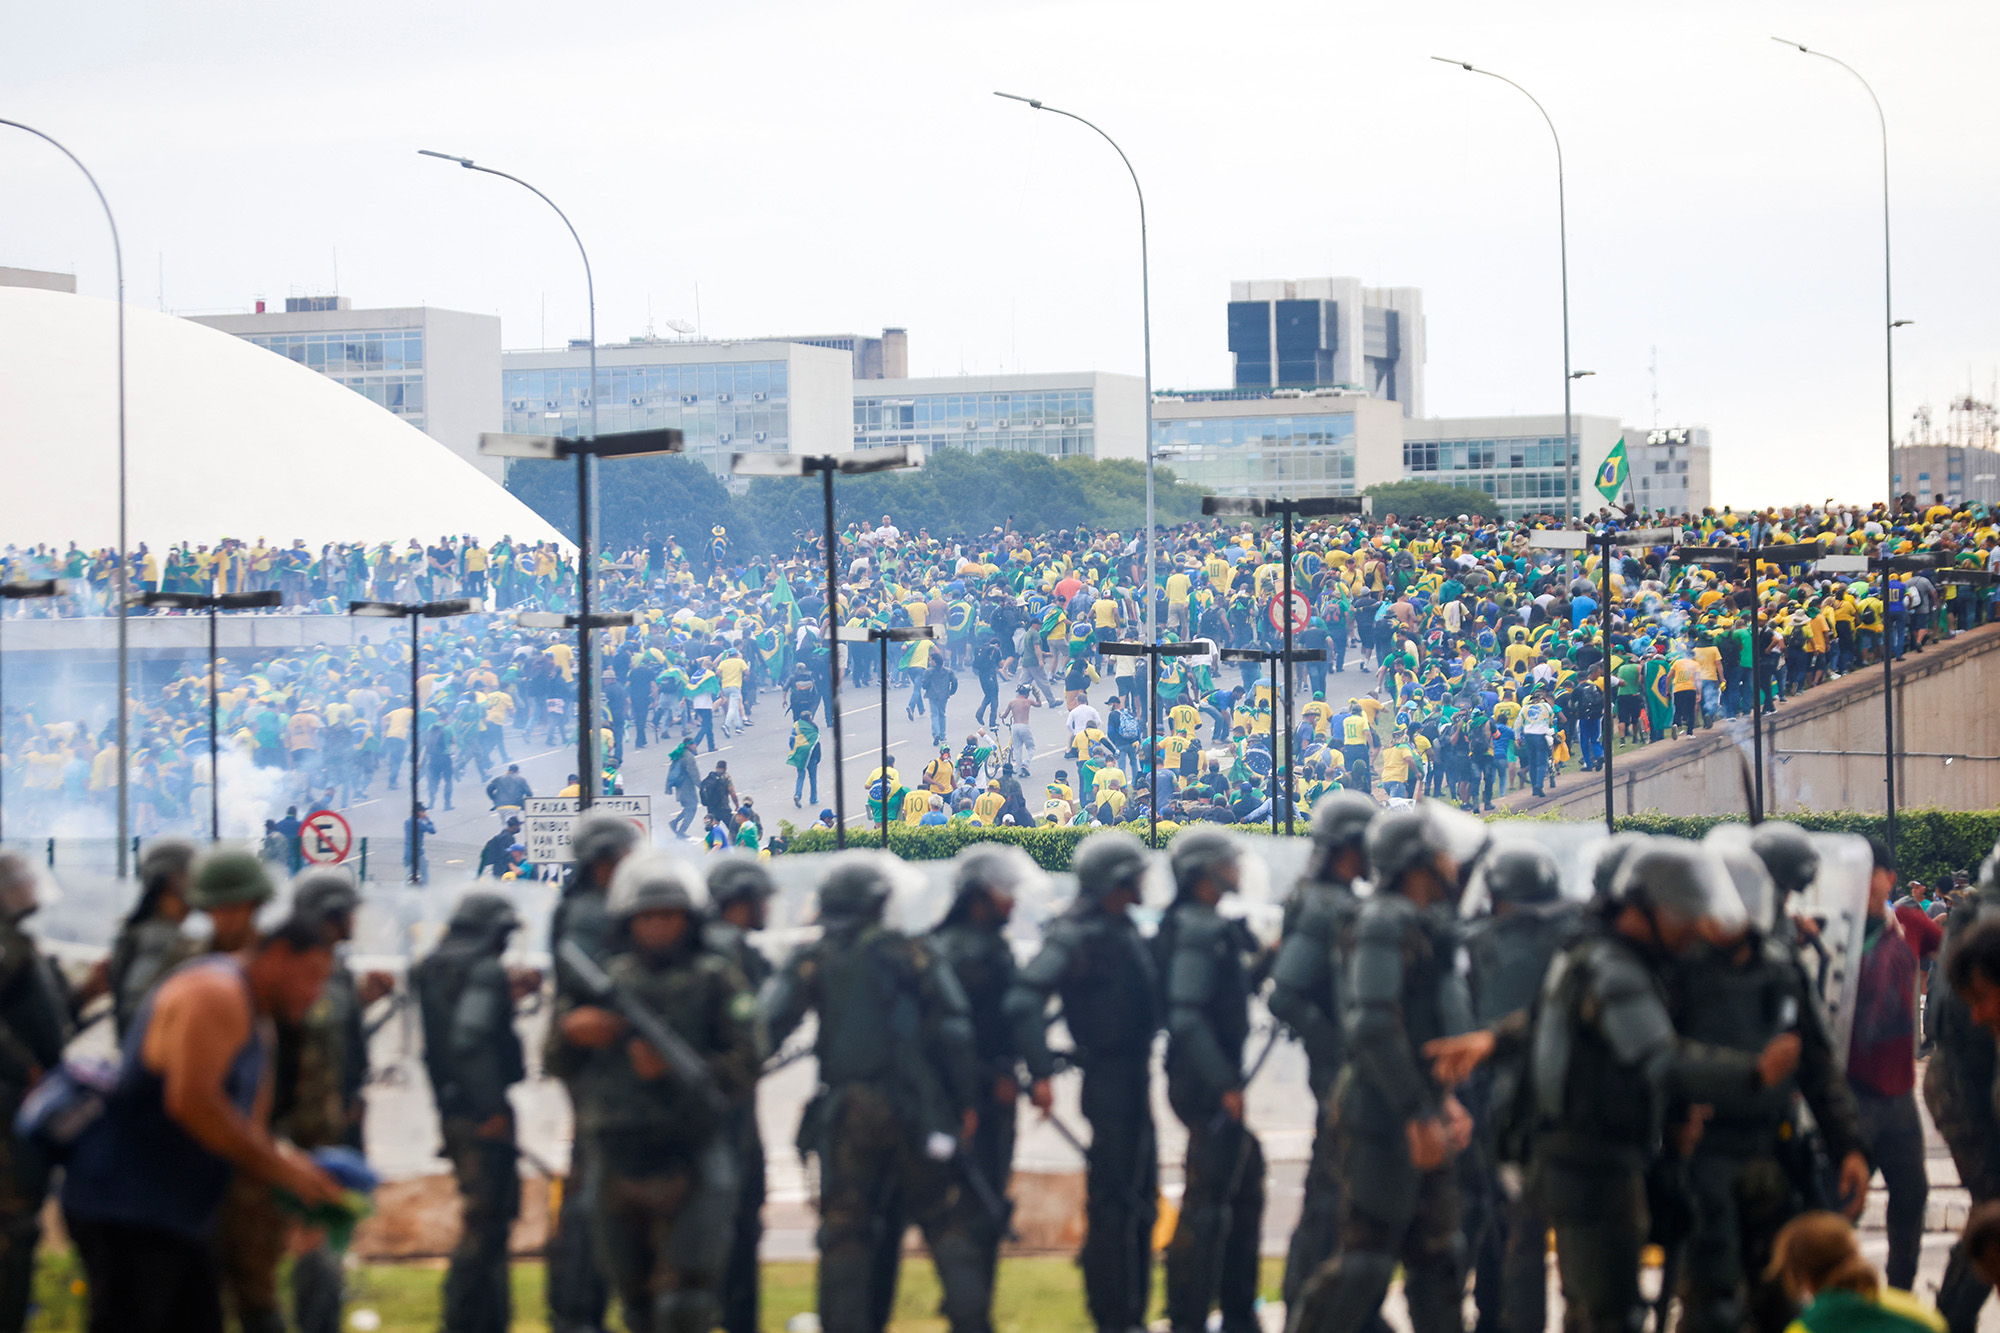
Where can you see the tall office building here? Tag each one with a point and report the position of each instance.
(883, 358)
(1329, 333)
(1088, 414)
(439, 370)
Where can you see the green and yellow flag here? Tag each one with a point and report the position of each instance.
(1612, 476)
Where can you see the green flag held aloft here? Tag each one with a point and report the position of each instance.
(1612, 475)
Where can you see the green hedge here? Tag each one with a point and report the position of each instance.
(1930, 843)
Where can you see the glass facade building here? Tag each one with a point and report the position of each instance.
(1523, 473)
(1060, 423)
(721, 407)
(1289, 456)
(385, 366)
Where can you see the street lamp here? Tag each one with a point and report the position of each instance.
(588, 760)
(548, 448)
(1153, 652)
(1562, 234)
(1146, 318)
(1887, 565)
(882, 638)
(194, 601)
(124, 567)
(415, 612)
(1890, 325)
(1269, 658)
(1289, 619)
(798, 465)
(18, 591)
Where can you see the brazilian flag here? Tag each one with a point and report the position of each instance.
(1612, 476)
(1656, 678)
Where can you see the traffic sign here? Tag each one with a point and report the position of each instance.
(1302, 612)
(325, 838)
(547, 820)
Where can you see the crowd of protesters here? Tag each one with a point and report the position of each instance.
(1460, 661)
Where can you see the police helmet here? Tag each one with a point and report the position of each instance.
(856, 885)
(1612, 854)
(736, 877)
(1399, 841)
(1679, 878)
(1748, 871)
(482, 914)
(1341, 818)
(992, 865)
(1106, 862)
(163, 858)
(325, 892)
(1522, 873)
(602, 837)
(1198, 852)
(652, 882)
(1787, 853)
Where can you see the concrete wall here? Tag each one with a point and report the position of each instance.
(1823, 749)
(462, 384)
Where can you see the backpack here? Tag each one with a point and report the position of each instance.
(715, 791)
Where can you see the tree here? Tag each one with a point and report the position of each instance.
(1430, 499)
(676, 496)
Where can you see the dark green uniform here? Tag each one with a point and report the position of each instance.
(897, 1068)
(667, 1184)
(740, 1282)
(578, 1296)
(1741, 1190)
(1305, 997)
(1959, 1089)
(473, 1055)
(979, 957)
(142, 954)
(1212, 1257)
(1098, 966)
(1402, 989)
(1604, 1061)
(35, 1023)
(322, 1064)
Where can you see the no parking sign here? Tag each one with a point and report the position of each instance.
(325, 838)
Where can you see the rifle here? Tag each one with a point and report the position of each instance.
(681, 1059)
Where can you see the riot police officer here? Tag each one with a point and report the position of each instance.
(1093, 959)
(898, 1080)
(1305, 997)
(739, 890)
(1604, 1061)
(1958, 1088)
(150, 935)
(35, 1023)
(1742, 989)
(1510, 951)
(1397, 1127)
(578, 1296)
(662, 1141)
(473, 1055)
(1212, 1256)
(972, 941)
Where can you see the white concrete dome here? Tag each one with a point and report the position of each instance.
(223, 439)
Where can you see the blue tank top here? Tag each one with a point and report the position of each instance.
(136, 1165)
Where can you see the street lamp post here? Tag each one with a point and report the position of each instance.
(1286, 620)
(1889, 326)
(1146, 318)
(1153, 652)
(626, 444)
(1562, 234)
(212, 603)
(882, 638)
(19, 591)
(798, 465)
(1271, 658)
(124, 567)
(415, 613)
(585, 572)
(1886, 566)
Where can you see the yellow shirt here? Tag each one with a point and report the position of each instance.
(1106, 613)
(915, 806)
(1396, 761)
(730, 671)
(1178, 585)
(987, 808)
(1708, 660)
(1687, 675)
(1184, 719)
(565, 660)
(396, 723)
(1172, 748)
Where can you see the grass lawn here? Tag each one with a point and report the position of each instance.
(1038, 1294)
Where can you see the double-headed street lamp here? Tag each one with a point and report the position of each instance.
(123, 578)
(548, 448)
(1153, 652)
(22, 590)
(1270, 659)
(589, 760)
(881, 638)
(1286, 615)
(826, 465)
(415, 613)
(1146, 321)
(212, 603)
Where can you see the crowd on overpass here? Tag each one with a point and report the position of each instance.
(1461, 660)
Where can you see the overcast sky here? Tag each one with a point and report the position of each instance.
(838, 167)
